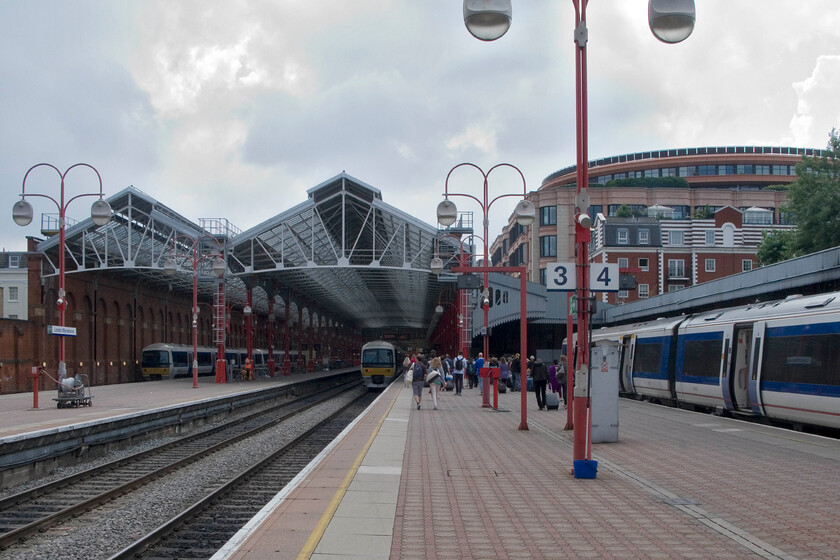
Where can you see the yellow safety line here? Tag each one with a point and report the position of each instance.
(320, 529)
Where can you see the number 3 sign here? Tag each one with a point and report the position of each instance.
(561, 277)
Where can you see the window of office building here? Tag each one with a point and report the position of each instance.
(623, 294)
(726, 170)
(548, 246)
(676, 268)
(644, 237)
(676, 237)
(622, 236)
(675, 288)
(623, 262)
(643, 264)
(13, 293)
(710, 265)
(548, 215)
(707, 169)
(745, 169)
(762, 170)
(651, 173)
(746, 265)
(542, 276)
(644, 290)
(14, 261)
(710, 237)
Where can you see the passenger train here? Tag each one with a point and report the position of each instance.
(168, 361)
(379, 364)
(778, 360)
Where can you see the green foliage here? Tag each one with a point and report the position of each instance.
(775, 246)
(703, 213)
(650, 182)
(814, 201)
(623, 211)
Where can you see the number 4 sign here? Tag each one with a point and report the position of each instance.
(561, 277)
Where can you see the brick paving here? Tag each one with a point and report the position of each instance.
(676, 485)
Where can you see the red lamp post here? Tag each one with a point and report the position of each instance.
(447, 214)
(671, 21)
(100, 214)
(191, 247)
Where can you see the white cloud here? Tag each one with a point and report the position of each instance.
(817, 101)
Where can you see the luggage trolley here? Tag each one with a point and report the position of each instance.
(74, 392)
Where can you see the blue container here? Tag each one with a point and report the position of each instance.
(585, 469)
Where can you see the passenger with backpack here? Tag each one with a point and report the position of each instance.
(458, 368)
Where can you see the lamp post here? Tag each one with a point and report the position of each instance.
(191, 244)
(100, 214)
(447, 214)
(671, 21)
(462, 298)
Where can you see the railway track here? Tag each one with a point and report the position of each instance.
(201, 530)
(36, 510)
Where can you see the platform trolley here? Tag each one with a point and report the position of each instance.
(74, 392)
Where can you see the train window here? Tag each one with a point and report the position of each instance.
(180, 359)
(801, 358)
(702, 358)
(155, 358)
(378, 356)
(648, 357)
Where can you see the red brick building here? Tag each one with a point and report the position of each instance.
(663, 254)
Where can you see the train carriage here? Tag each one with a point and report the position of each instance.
(778, 360)
(379, 364)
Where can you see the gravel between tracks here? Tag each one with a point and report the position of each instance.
(109, 529)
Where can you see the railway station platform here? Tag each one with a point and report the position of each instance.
(464, 482)
(19, 417)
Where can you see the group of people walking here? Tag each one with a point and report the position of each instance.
(434, 372)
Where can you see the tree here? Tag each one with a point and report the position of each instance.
(775, 246)
(814, 206)
(623, 211)
(703, 213)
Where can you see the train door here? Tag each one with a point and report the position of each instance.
(736, 390)
(627, 364)
(754, 380)
(625, 367)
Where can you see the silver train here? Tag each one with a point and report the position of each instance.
(778, 360)
(168, 361)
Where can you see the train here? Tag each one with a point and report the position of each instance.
(168, 361)
(776, 361)
(380, 364)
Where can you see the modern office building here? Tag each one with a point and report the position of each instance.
(683, 190)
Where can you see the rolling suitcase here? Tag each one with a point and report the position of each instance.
(502, 386)
(552, 400)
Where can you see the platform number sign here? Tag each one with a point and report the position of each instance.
(561, 277)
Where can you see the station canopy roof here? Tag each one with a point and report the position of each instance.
(343, 250)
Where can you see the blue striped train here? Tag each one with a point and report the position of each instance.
(777, 360)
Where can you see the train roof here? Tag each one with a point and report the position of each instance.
(788, 307)
(378, 344)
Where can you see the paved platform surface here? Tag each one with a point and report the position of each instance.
(464, 482)
(17, 415)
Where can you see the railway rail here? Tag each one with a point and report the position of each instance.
(204, 528)
(38, 509)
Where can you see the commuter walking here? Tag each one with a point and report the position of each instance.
(552, 377)
(562, 378)
(479, 363)
(504, 372)
(515, 370)
(435, 379)
(418, 380)
(458, 368)
(539, 372)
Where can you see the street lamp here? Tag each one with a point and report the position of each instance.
(671, 21)
(100, 214)
(171, 267)
(525, 213)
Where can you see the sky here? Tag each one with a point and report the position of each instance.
(233, 109)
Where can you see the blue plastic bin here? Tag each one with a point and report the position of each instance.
(586, 469)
